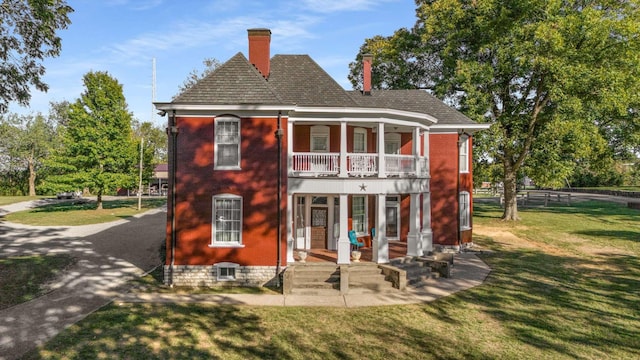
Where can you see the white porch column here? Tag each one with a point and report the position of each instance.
(344, 246)
(331, 239)
(382, 168)
(290, 241)
(416, 149)
(343, 150)
(425, 154)
(307, 222)
(427, 235)
(289, 147)
(380, 244)
(414, 245)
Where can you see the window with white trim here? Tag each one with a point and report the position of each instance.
(319, 138)
(465, 210)
(227, 220)
(227, 143)
(226, 271)
(392, 143)
(464, 154)
(359, 140)
(359, 214)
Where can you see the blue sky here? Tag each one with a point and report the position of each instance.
(123, 36)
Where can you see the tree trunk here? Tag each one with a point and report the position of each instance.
(32, 177)
(99, 200)
(510, 193)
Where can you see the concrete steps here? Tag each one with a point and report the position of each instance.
(325, 278)
(368, 278)
(418, 271)
(316, 279)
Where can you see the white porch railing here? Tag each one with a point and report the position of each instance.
(362, 164)
(316, 164)
(400, 165)
(424, 167)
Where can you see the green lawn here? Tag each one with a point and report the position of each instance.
(22, 278)
(82, 212)
(564, 285)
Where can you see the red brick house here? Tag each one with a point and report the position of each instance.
(270, 155)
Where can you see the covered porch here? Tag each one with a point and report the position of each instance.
(397, 249)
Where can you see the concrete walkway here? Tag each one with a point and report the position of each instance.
(108, 255)
(469, 271)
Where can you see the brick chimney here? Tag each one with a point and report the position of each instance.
(259, 50)
(366, 72)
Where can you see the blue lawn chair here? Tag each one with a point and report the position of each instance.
(354, 241)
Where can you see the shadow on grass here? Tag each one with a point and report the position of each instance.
(562, 306)
(86, 204)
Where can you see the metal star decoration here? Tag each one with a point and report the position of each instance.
(363, 187)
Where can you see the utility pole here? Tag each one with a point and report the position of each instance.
(140, 177)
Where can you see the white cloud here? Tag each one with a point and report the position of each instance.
(330, 6)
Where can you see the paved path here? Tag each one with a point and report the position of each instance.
(108, 255)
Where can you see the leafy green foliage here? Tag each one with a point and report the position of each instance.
(558, 80)
(27, 37)
(27, 141)
(99, 150)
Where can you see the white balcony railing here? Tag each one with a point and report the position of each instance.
(316, 164)
(362, 164)
(397, 165)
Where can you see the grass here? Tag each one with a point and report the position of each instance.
(83, 212)
(7, 200)
(559, 289)
(23, 278)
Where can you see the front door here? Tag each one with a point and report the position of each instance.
(319, 228)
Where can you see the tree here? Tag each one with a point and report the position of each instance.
(154, 147)
(27, 37)
(546, 74)
(27, 141)
(99, 150)
(194, 76)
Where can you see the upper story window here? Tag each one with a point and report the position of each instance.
(227, 143)
(319, 138)
(227, 220)
(464, 154)
(465, 210)
(359, 140)
(392, 143)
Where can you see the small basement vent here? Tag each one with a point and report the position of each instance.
(226, 271)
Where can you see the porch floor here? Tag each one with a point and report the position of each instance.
(397, 249)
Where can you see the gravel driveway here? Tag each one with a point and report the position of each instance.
(107, 256)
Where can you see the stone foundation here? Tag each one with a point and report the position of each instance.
(206, 276)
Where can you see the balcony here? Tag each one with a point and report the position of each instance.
(309, 164)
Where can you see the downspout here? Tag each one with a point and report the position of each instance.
(278, 134)
(173, 129)
(458, 233)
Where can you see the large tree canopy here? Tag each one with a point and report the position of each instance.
(28, 36)
(99, 151)
(550, 75)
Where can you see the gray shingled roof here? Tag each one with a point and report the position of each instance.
(418, 101)
(234, 82)
(298, 80)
